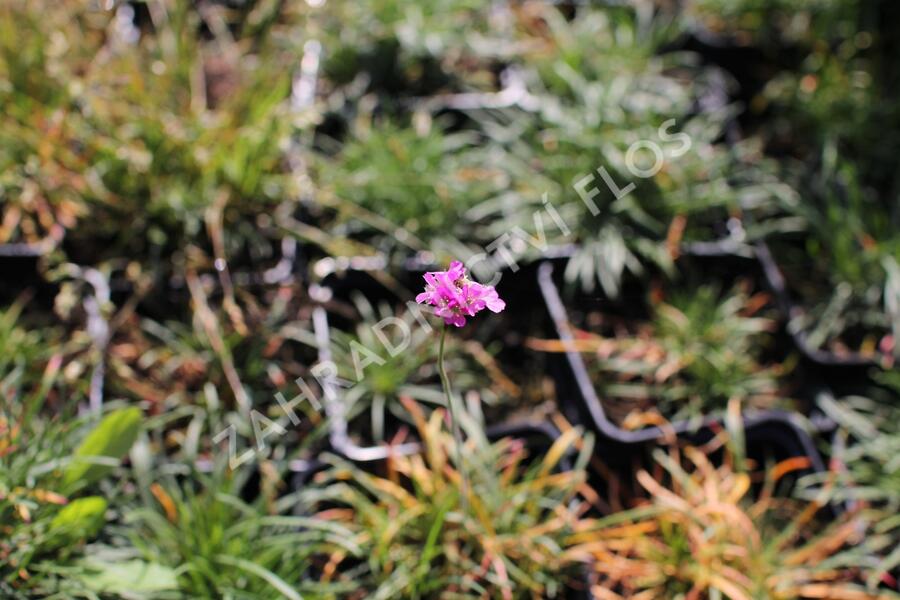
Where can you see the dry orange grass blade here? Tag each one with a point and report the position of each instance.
(819, 550)
(165, 500)
(210, 324)
(559, 448)
(585, 344)
(397, 492)
(789, 465)
(499, 378)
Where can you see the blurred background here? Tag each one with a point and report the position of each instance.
(691, 207)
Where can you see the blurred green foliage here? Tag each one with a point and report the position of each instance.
(697, 352)
(41, 520)
(198, 155)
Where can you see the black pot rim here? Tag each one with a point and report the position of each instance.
(772, 420)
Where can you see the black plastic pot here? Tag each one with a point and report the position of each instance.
(781, 431)
(776, 282)
(338, 279)
(339, 439)
(19, 272)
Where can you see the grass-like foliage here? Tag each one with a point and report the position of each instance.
(867, 472)
(846, 271)
(49, 470)
(173, 135)
(601, 96)
(425, 533)
(391, 355)
(219, 545)
(405, 187)
(180, 183)
(699, 350)
(712, 533)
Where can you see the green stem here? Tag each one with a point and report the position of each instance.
(454, 421)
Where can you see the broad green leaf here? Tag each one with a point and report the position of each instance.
(130, 578)
(111, 439)
(81, 519)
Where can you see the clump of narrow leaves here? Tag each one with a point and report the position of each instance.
(424, 532)
(846, 271)
(159, 130)
(696, 352)
(404, 187)
(388, 356)
(867, 471)
(50, 459)
(710, 532)
(219, 545)
(45, 139)
(607, 134)
(49, 499)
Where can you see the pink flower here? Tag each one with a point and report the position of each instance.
(455, 297)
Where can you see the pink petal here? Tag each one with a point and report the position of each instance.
(457, 320)
(456, 270)
(495, 304)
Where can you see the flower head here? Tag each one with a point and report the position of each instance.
(455, 297)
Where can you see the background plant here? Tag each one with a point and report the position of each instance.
(420, 542)
(49, 504)
(696, 352)
(219, 545)
(405, 187)
(585, 110)
(708, 536)
(381, 372)
(169, 171)
(867, 473)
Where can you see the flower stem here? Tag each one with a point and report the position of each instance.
(455, 412)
